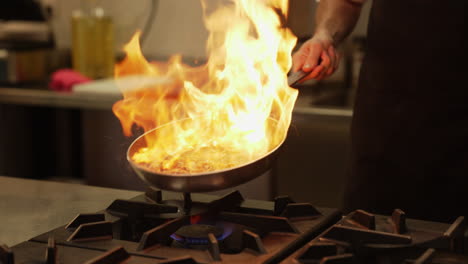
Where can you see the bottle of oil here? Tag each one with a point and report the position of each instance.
(92, 41)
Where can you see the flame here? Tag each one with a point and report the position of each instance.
(229, 111)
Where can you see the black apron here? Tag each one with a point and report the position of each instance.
(409, 132)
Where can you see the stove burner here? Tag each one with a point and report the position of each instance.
(197, 234)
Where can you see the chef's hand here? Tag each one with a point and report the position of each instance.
(318, 56)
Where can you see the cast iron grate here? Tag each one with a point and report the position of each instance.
(228, 226)
(359, 238)
(51, 256)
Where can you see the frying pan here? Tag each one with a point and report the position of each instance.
(200, 182)
(208, 181)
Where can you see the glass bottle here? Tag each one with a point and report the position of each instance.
(92, 41)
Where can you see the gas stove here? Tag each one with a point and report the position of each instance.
(166, 227)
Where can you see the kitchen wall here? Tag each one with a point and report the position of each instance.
(177, 27)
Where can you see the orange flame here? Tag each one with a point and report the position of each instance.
(227, 105)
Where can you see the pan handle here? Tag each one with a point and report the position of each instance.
(296, 77)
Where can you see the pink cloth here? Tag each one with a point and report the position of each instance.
(63, 80)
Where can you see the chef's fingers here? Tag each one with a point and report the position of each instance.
(314, 73)
(315, 49)
(335, 57)
(325, 60)
(322, 75)
(332, 54)
(326, 64)
(299, 58)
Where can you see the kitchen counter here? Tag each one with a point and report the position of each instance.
(41, 97)
(30, 207)
(100, 101)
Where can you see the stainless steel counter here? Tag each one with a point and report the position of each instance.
(30, 207)
(41, 97)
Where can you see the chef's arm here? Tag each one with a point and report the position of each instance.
(334, 20)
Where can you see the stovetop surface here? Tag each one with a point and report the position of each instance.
(145, 230)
